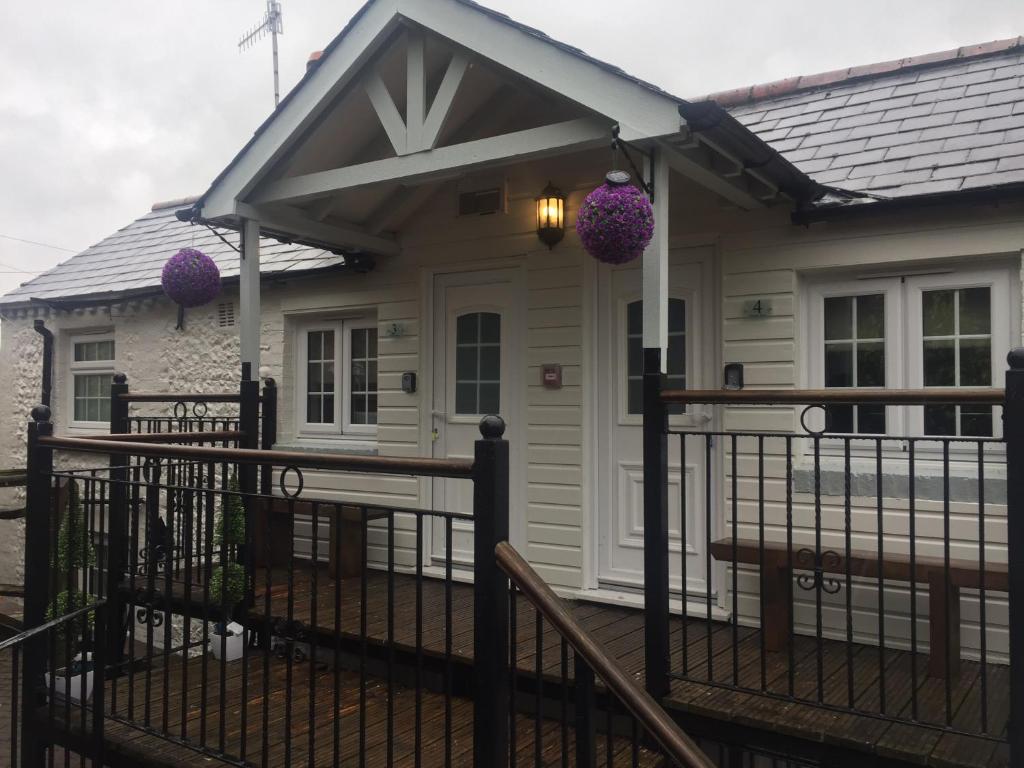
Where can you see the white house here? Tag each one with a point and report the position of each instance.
(405, 166)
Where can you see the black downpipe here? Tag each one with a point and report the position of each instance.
(47, 334)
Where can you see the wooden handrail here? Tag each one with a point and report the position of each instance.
(385, 465)
(171, 397)
(836, 396)
(679, 747)
(12, 478)
(174, 437)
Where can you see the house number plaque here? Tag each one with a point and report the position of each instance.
(757, 308)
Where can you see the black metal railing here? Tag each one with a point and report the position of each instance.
(350, 647)
(860, 573)
(52, 682)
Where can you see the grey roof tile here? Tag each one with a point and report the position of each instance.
(933, 128)
(900, 179)
(133, 257)
(994, 179)
(878, 169)
(997, 150)
(928, 121)
(965, 170)
(935, 159)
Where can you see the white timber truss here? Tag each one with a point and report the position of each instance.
(304, 207)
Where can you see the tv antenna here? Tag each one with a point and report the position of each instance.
(270, 24)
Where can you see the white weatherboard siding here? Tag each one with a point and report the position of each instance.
(772, 264)
(759, 255)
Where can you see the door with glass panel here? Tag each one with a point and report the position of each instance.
(476, 373)
(620, 405)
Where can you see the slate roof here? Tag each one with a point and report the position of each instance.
(130, 261)
(942, 123)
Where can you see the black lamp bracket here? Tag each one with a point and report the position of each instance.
(620, 144)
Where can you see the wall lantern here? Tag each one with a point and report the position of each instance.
(551, 216)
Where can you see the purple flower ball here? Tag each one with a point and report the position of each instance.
(615, 223)
(191, 278)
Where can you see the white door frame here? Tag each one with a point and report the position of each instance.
(599, 426)
(516, 432)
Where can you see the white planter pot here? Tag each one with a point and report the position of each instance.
(233, 648)
(79, 689)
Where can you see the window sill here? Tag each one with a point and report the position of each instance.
(347, 445)
(929, 479)
(88, 430)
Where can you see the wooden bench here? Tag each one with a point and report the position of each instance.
(278, 516)
(943, 606)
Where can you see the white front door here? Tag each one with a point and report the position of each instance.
(690, 365)
(477, 372)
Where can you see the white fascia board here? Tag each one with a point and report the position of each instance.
(333, 73)
(640, 112)
(443, 162)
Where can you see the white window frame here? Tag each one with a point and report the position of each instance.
(889, 288)
(87, 368)
(904, 356)
(342, 426)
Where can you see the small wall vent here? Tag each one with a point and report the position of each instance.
(481, 202)
(226, 315)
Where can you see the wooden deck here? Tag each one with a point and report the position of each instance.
(708, 710)
(300, 729)
(621, 630)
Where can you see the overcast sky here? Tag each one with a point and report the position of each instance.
(107, 107)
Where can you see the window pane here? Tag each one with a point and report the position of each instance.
(490, 328)
(80, 386)
(465, 399)
(937, 312)
(838, 365)
(371, 376)
(478, 363)
(975, 362)
(104, 407)
(635, 389)
(328, 409)
(635, 318)
(634, 356)
(676, 355)
(467, 329)
(839, 418)
(80, 414)
(359, 414)
(676, 315)
(358, 376)
(315, 377)
(328, 377)
(359, 343)
(975, 312)
(839, 317)
(314, 345)
(871, 364)
(871, 317)
(940, 419)
(314, 409)
(466, 363)
(939, 363)
(871, 419)
(490, 397)
(976, 420)
(490, 363)
(371, 409)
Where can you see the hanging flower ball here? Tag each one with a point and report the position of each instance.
(616, 221)
(191, 278)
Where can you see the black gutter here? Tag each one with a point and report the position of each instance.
(47, 334)
(851, 210)
(731, 136)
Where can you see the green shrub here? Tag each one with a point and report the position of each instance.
(230, 592)
(229, 527)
